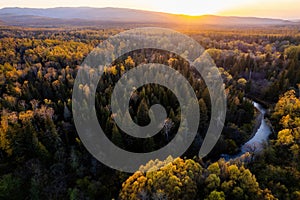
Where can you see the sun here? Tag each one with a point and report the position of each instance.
(192, 8)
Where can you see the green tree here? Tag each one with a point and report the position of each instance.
(143, 113)
(215, 195)
(9, 184)
(116, 136)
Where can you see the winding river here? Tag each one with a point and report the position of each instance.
(255, 144)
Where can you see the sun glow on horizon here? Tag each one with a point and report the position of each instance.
(286, 9)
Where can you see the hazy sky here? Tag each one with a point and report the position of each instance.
(288, 9)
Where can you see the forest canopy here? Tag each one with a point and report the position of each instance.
(42, 156)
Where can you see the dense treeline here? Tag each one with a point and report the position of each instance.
(278, 168)
(41, 155)
(187, 179)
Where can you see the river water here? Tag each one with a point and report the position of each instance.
(255, 144)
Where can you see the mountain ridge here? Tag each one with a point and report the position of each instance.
(28, 16)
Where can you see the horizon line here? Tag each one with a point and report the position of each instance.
(199, 15)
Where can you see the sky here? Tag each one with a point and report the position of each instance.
(284, 9)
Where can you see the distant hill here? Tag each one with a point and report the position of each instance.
(92, 16)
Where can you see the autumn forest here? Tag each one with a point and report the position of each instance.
(43, 157)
